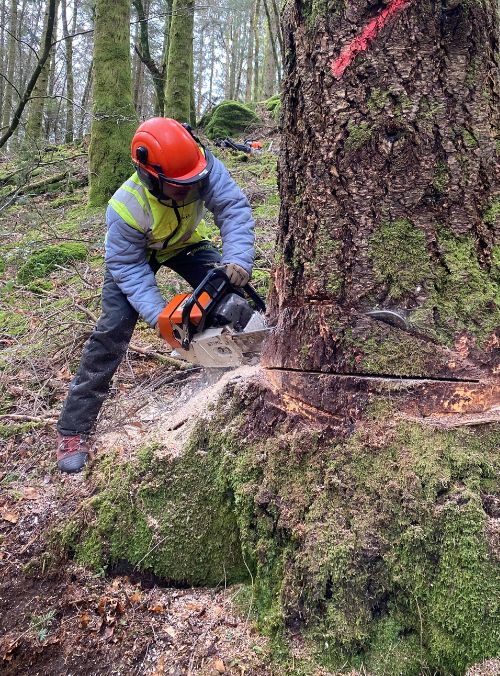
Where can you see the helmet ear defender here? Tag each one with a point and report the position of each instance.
(141, 154)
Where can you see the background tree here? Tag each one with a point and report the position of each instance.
(179, 86)
(9, 61)
(34, 125)
(114, 119)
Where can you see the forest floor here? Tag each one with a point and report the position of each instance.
(63, 618)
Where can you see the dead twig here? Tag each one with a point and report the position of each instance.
(27, 418)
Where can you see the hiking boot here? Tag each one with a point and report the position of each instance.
(72, 453)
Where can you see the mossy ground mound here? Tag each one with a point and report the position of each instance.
(273, 105)
(164, 515)
(229, 118)
(41, 263)
(376, 547)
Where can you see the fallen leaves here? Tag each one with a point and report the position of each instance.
(156, 608)
(7, 514)
(30, 493)
(219, 666)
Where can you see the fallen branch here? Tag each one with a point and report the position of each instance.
(146, 352)
(27, 418)
(44, 183)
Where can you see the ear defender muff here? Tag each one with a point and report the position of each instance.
(141, 154)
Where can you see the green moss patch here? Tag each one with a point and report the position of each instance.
(358, 135)
(163, 515)
(463, 289)
(229, 118)
(273, 105)
(492, 214)
(457, 287)
(400, 257)
(41, 263)
(12, 323)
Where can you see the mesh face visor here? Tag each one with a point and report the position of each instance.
(183, 192)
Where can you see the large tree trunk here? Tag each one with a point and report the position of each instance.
(114, 119)
(388, 181)
(178, 88)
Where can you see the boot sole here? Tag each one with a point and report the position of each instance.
(73, 463)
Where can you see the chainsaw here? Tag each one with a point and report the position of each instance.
(215, 326)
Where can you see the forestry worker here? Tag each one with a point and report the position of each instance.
(155, 218)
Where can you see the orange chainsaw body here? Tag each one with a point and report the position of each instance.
(171, 317)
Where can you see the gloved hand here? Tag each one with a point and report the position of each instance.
(237, 275)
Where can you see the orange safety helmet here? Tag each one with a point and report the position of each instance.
(170, 160)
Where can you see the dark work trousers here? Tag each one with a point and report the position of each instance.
(109, 341)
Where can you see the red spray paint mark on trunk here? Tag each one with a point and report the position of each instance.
(369, 33)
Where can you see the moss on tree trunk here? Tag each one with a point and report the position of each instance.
(179, 85)
(114, 119)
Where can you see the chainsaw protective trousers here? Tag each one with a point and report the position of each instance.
(109, 341)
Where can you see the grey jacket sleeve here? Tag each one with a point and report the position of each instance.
(233, 216)
(125, 257)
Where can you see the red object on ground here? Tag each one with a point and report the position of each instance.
(368, 34)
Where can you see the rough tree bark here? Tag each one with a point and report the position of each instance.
(388, 181)
(114, 120)
(178, 88)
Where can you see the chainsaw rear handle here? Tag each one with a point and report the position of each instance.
(215, 285)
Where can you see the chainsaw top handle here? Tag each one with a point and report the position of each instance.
(216, 284)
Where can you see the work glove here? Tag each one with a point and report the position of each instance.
(237, 275)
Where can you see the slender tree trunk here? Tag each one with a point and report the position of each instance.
(268, 86)
(271, 71)
(86, 99)
(212, 73)
(242, 48)
(3, 53)
(10, 60)
(256, 62)
(178, 90)
(34, 124)
(70, 87)
(250, 55)
(114, 119)
(143, 50)
(137, 72)
(51, 106)
(166, 34)
(192, 105)
(200, 73)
